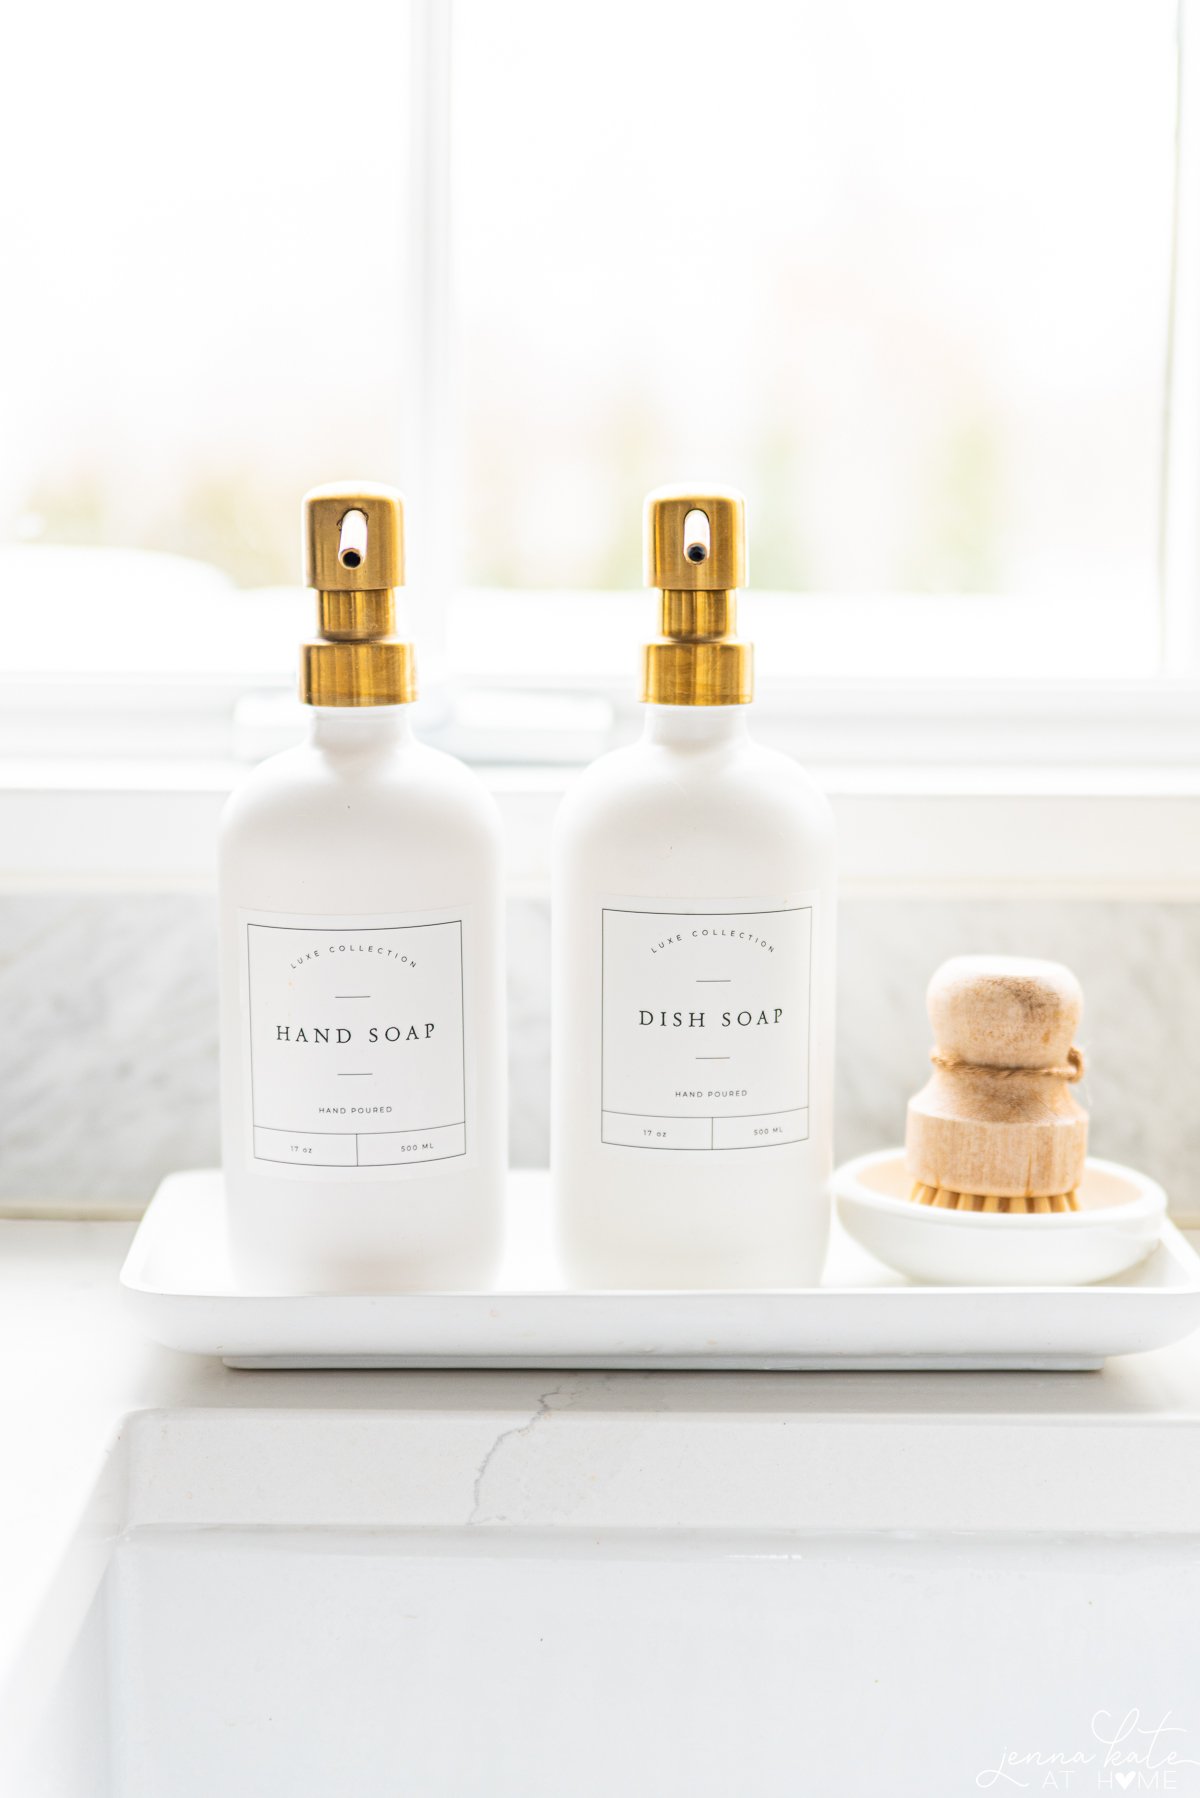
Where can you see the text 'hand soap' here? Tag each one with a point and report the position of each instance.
(362, 977)
(693, 963)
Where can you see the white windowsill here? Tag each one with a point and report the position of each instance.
(1130, 832)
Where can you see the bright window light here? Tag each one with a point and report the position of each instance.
(901, 272)
(206, 256)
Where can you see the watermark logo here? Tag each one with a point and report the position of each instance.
(1126, 1753)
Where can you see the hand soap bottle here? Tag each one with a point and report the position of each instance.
(362, 973)
(693, 963)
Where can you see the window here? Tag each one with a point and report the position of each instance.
(902, 272)
(208, 265)
(208, 257)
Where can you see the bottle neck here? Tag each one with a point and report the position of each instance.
(359, 727)
(699, 726)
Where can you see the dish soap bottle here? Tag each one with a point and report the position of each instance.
(693, 963)
(362, 972)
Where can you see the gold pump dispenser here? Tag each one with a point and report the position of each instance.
(354, 557)
(696, 556)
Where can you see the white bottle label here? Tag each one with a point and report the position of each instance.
(705, 1024)
(355, 1041)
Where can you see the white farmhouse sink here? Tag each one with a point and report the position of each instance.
(378, 1603)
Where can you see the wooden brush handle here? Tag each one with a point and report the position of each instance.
(1005, 1012)
(997, 1116)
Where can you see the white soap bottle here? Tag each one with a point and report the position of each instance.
(362, 966)
(693, 963)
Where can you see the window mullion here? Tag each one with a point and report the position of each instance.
(428, 428)
(1180, 520)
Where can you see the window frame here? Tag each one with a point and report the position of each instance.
(990, 724)
(1137, 708)
(1179, 509)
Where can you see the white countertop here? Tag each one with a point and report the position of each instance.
(900, 1451)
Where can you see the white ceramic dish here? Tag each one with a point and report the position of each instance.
(1119, 1222)
(177, 1286)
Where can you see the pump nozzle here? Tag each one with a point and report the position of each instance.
(697, 538)
(354, 557)
(352, 541)
(696, 556)
(695, 541)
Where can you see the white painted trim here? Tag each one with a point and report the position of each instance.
(1021, 832)
(429, 478)
(996, 724)
(1180, 573)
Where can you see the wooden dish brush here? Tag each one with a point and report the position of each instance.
(997, 1127)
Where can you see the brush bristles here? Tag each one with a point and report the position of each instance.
(945, 1200)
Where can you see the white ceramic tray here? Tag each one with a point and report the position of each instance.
(177, 1286)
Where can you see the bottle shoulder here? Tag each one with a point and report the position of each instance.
(746, 819)
(410, 773)
(647, 778)
(307, 801)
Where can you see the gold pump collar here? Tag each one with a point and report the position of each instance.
(696, 556)
(354, 558)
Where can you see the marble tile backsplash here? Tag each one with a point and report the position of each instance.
(108, 1056)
